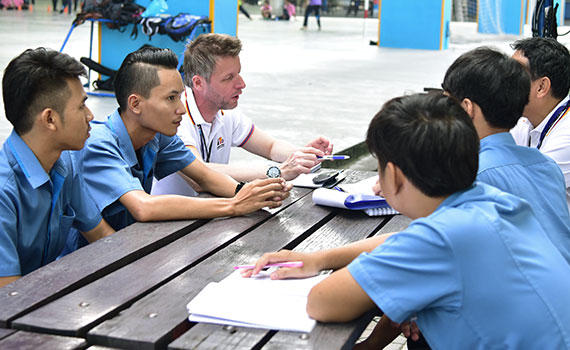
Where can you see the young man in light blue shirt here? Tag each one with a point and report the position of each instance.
(43, 193)
(474, 268)
(138, 142)
(493, 89)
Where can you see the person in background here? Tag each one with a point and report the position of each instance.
(266, 10)
(288, 11)
(312, 6)
(244, 11)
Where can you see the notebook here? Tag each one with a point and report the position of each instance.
(256, 302)
(357, 196)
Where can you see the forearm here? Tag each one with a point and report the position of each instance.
(211, 181)
(174, 207)
(7, 280)
(103, 229)
(281, 150)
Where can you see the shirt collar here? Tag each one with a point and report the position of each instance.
(542, 124)
(29, 163)
(501, 138)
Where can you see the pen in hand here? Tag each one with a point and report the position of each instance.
(333, 157)
(283, 264)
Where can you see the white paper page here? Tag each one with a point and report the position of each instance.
(331, 198)
(255, 302)
(364, 186)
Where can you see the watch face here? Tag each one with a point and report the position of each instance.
(273, 172)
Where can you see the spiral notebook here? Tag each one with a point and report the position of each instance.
(351, 196)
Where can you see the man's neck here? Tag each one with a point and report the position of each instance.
(138, 134)
(547, 107)
(490, 131)
(206, 108)
(43, 149)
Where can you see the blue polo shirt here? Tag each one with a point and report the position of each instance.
(111, 166)
(38, 209)
(532, 176)
(479, 273)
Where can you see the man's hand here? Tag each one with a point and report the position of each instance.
(377, 188)
(310, 265)
(323, 144)
(259, 194)
(409, 328)
(300, 162)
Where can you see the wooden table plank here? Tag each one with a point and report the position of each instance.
(344, 228)
(93, 261)
(227, 337)
(134, 327)
(323, 336)
(6, 332)
(75, 313)
(32, 341)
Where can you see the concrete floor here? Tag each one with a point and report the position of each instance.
(299, 83)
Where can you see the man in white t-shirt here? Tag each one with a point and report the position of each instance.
(546, 118)
(212, 124)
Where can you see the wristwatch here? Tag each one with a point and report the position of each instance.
(239, 186)
(273, 172)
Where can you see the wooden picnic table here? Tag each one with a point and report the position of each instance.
(130, 290)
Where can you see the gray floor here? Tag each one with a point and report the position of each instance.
(299, 84)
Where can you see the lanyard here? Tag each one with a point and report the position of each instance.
(554, 119)
(206, 151)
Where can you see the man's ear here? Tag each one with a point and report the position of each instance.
(134, 103)
(398, 178)
(469, 107)
(48, 118)
(198, 82)
(543, 87)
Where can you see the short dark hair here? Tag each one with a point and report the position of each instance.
(430, 138)
(498, 84)
(34, 81)
(201, 54)
(139, 72)
(547, 58)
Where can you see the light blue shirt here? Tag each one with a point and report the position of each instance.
(479, 273)
(111, 167)
(37, 210)
(529, 174)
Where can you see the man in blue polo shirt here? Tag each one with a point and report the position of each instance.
(475, 269)
(43, 193)
(493, 89)
(138, 142)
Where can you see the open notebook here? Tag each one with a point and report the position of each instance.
(357, 196)
(256, 302)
